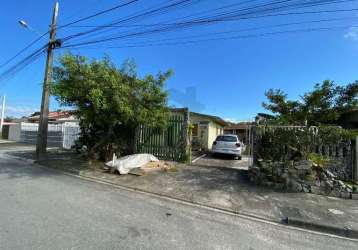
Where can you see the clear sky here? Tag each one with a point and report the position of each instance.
(227, 78)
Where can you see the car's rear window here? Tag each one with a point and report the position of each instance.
(226, 138)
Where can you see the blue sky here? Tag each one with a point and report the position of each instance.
(227, 78)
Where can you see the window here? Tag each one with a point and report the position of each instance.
(226, 138)
(195, 130)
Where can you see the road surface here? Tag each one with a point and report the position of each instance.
(43, 209)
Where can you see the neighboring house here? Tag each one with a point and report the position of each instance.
(263, 118)
(55, 117)
(241, 129)
(205, 129)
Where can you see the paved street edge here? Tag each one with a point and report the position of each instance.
(292, 223)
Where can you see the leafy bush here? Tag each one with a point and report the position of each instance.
(319, 161)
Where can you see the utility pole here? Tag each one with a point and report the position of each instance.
(43, 125)
(2, 114)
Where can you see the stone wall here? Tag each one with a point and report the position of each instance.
(301, 176)
(294, 143)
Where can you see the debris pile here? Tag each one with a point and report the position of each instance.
(139, 164)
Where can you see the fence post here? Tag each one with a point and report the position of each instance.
(186, 136)
(355, 161)
(63, 135)
(253, 144)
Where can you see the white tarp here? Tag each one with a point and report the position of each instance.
(126, 163)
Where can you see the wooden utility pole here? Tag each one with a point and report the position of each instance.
(43, 125)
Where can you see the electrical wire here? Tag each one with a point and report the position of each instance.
(98, 13)
(193, 22)
(233, 12)
(10, 72)
(23, 50)
(222, 38)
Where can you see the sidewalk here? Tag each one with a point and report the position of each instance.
(226, 189)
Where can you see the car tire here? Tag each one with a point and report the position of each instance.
(239, 158)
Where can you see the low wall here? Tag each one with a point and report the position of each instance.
(301, 176)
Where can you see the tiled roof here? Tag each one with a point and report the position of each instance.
(55, 115)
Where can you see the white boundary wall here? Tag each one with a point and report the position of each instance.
(61, 135)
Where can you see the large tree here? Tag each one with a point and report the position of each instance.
(323, 105)
(110, 102)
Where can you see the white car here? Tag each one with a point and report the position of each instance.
(227, 144)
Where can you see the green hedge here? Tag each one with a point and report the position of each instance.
(284, 143)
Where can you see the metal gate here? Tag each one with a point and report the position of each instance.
(250, 131)
(58, 135)
(29, 134)
(167, 144)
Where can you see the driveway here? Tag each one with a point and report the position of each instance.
(208, 160)
(43, 209)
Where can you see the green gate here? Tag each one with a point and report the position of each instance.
(168, 144)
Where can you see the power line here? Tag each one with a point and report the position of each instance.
(149, 12)
(23, 50)
(32, 57)
(99, 13)
(39, 38)
(79, 11)
(158, 24)
(222, 38)
(260, 28)
(228, 20)
(23, 63)
(221, 14)
(130, 18)
(192, 23)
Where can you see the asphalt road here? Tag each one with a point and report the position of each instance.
(43, 209)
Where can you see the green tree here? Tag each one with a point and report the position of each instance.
(110, 102)
(289, 111)
(323, 105)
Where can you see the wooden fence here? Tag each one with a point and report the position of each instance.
(168, 144)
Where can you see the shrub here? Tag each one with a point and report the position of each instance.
(284, 143)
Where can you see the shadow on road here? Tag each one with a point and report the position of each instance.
(15, 169)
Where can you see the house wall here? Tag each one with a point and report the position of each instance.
(201, 140)
(214, 131)
(207, 132)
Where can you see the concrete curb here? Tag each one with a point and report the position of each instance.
(322, 227)
(293, 223)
